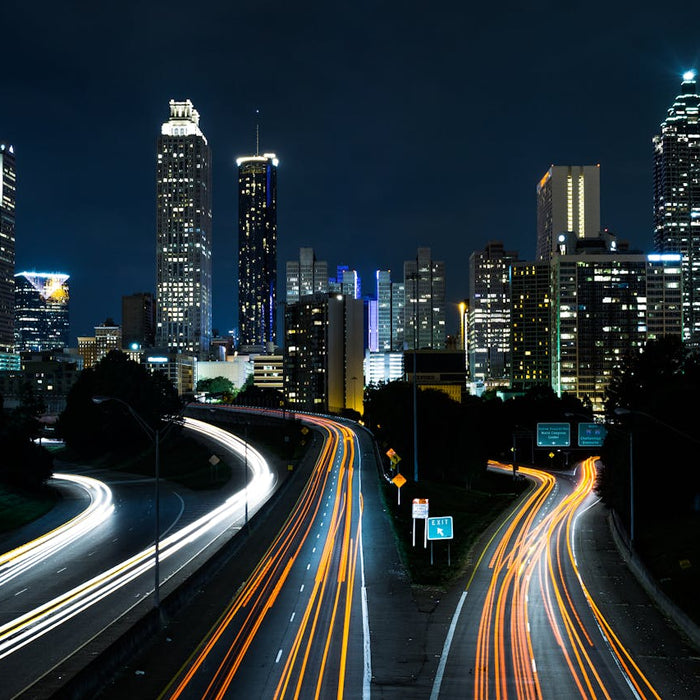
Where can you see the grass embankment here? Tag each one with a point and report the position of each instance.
(182, 460)
(472, 512)
(671, 552)
(19, 507)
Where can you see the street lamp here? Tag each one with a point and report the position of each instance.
(154, 435)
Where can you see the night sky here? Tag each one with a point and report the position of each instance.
(397, 125)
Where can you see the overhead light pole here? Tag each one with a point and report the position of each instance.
(154, 435)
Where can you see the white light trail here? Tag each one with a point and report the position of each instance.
(28, 627)
(18, 560)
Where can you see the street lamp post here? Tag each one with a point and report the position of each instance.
(154, 435)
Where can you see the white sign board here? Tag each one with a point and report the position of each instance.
(420, 508)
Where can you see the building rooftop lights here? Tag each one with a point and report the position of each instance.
(689, 75)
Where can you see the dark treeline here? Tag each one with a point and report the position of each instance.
(455, 440)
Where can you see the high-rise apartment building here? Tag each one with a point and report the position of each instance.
(257, 250)
(489, 324)
(138, 320)
(323, 354)
(568, 200)
(390, 313)
(424, 303)
(530, 322)
(8, 186)
(183, 234)
(677, 196)
(606, 304)
(306, 275)
(108, 337)
(41, 311)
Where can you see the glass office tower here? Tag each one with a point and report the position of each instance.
(257, 250)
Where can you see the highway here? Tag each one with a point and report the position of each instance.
(61, 590)
(299, 625)
(527, 626)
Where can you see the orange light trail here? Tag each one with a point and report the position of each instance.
(536, 544)
(323, 629)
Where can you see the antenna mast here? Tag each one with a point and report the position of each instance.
(257, 132)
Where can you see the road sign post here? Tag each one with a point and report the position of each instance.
(439, 529)
(419, 511)
(399, 480)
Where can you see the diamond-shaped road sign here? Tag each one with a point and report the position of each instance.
(399, 480)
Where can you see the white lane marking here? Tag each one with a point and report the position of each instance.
(291, 619)
(446, 648)
(279, 654)
(22, 591)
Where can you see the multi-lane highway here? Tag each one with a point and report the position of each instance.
(299, 625)
(326, 613)
(61, 590)
(527, 625)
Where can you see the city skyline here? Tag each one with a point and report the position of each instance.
(358, 133)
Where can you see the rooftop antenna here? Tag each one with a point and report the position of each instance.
(257, 132)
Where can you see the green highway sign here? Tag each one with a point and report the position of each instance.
(440, 528)
(553, 435)
(591, 434)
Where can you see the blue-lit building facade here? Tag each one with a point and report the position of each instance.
(257, 250)
(677, 197)
(41, 311)
(8, 191)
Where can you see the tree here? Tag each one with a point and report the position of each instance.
(24, 464)
(216, 385)
(657, 390)
(92, 429)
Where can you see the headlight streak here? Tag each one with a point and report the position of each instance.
(18, 560)
(30, 626)
(330, 598)
(538, 549)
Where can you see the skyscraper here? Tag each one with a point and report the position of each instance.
(568, 199)
(183, 230)
(41, 311)
(257, 249)
(323, 354)
(306, 275)
(390, 313)
(489, 314)
(605, 305)
(7, 246)
(530, 324)
(138, 320)
(424, 308)
(677, 196)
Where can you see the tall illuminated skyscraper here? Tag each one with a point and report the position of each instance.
(424, 306)
(257, 249)
(677, 197)
(41, 311)
(184, 221)
(489, 314)
(568, 200)
(7, 246)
